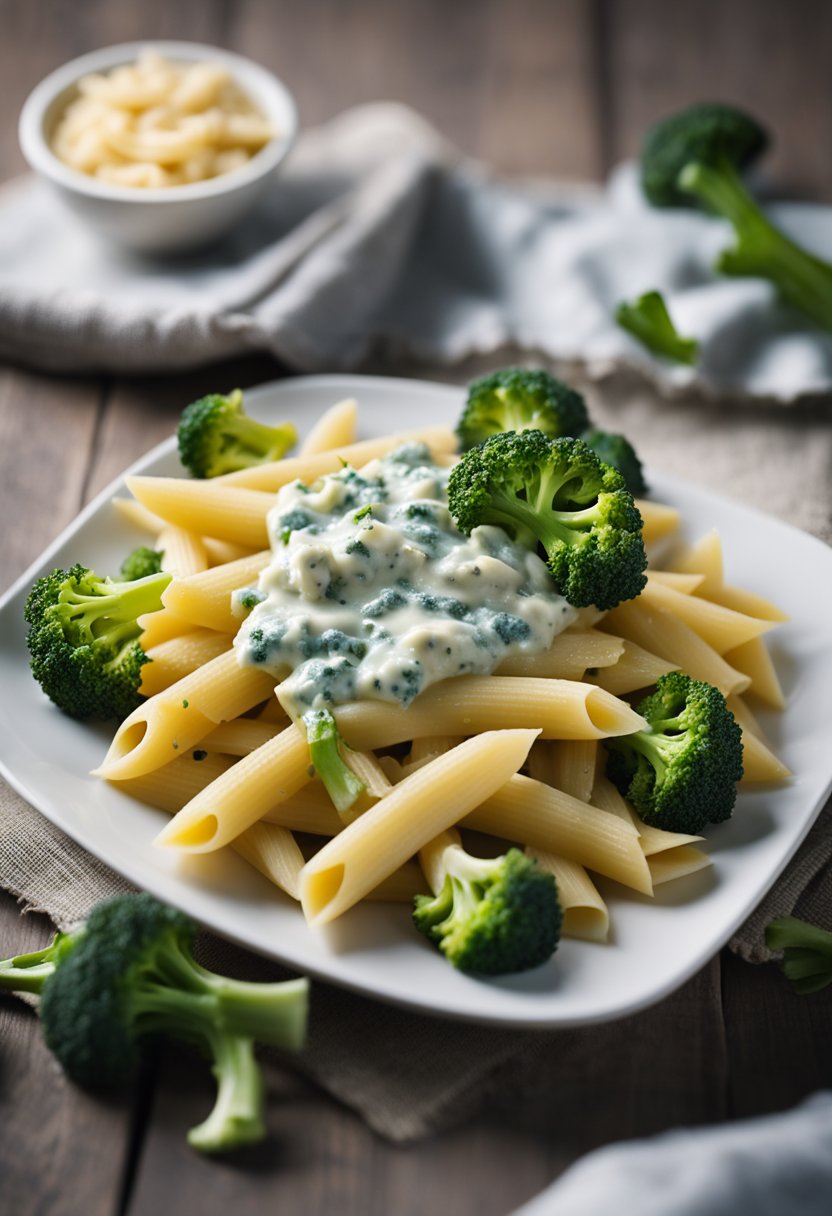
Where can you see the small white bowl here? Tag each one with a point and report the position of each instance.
(175, 218)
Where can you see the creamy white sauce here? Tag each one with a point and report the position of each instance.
(374, 593)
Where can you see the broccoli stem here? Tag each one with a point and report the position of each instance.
(656, 747)
(807, 953)
(237, 1115)
(539, 521)
(27, 972)
(124, 602)
(341, 783)
(256, 437)
(761, 250)
(648, 320)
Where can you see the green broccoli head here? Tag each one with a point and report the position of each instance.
(807, 953)
(492, 915)
(680, 772)
(558, 494)
(83, 639)
(128, 973)
(620, 453)
(215, 437)
(141, 563)
(707, 134)
(516, 399)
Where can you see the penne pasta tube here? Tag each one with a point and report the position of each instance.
(585, 914)
(335, 428)
(309, 811)
(740, 600)
(544, 818)
(368, 770)
(415, 811)
(686, 584)
(270, 477)
(754, 660)
(569, 656)
(170, 787)
(273, 851)
(572, 767)
(161, 626)
(183, 552)
(759, 762)
(659, 521)
(223, 511)
(662, 633)
(134, 513)
(240, 736)
(721, 628)
(182, 715)
(222, 551)
(400, 887)
(678, 863)
(205, 599)
(431, 746)
(172, 660)
(560, 709)
(241, 796)
(637, 668)
(705, 558)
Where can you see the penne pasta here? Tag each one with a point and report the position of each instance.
(241, 796)
(569, 656)
(274, 852)
(754, 660)
(172, 660)
(226, 512)
(134, 513)
(560, 709)
(178, 718)
(637, 668)
(721, 628)
(660, 521)
(334, 429)
(183, 552)
(270, 477)
(585, 915)
(535, 814)
(205, 599)
(416, 810)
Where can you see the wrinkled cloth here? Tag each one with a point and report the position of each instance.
(776, 1166)
(380, 240)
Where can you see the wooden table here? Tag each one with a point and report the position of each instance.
(536, 87)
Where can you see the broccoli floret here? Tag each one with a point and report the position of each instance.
(681, 771)
(557, 493)
(325, 748)
(129, 972)
(216, 436)
(648, 320)
(620, 453)
(141, 563)
(491, 915)
(807, 953)
(83, 639)
(515, 399)
(699, 154)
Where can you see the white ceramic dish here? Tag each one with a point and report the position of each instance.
(655, 945)
(170, 220)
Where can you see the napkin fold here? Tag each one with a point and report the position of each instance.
(380, 240)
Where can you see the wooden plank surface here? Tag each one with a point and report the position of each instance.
(540, 86)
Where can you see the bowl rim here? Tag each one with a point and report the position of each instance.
(279, 102)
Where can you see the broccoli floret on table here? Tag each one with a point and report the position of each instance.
(492, 915)
(681, 771)
(141, 563)
(648, 320)
(325, 751)
(216, 436)
(620, 453)
(807, 953)
(83, 639)
(516, 399)
(556, 493)
(128, 973)
(699, 155)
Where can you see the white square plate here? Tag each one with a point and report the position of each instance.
(656, 944)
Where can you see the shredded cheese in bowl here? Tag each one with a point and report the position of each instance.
(156, 123)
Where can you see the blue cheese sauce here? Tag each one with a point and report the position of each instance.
(372, 591)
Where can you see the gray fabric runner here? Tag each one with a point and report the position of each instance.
(378, 238)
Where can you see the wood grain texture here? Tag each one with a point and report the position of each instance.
(62, 1152)
(510, 83)
(769, 57)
